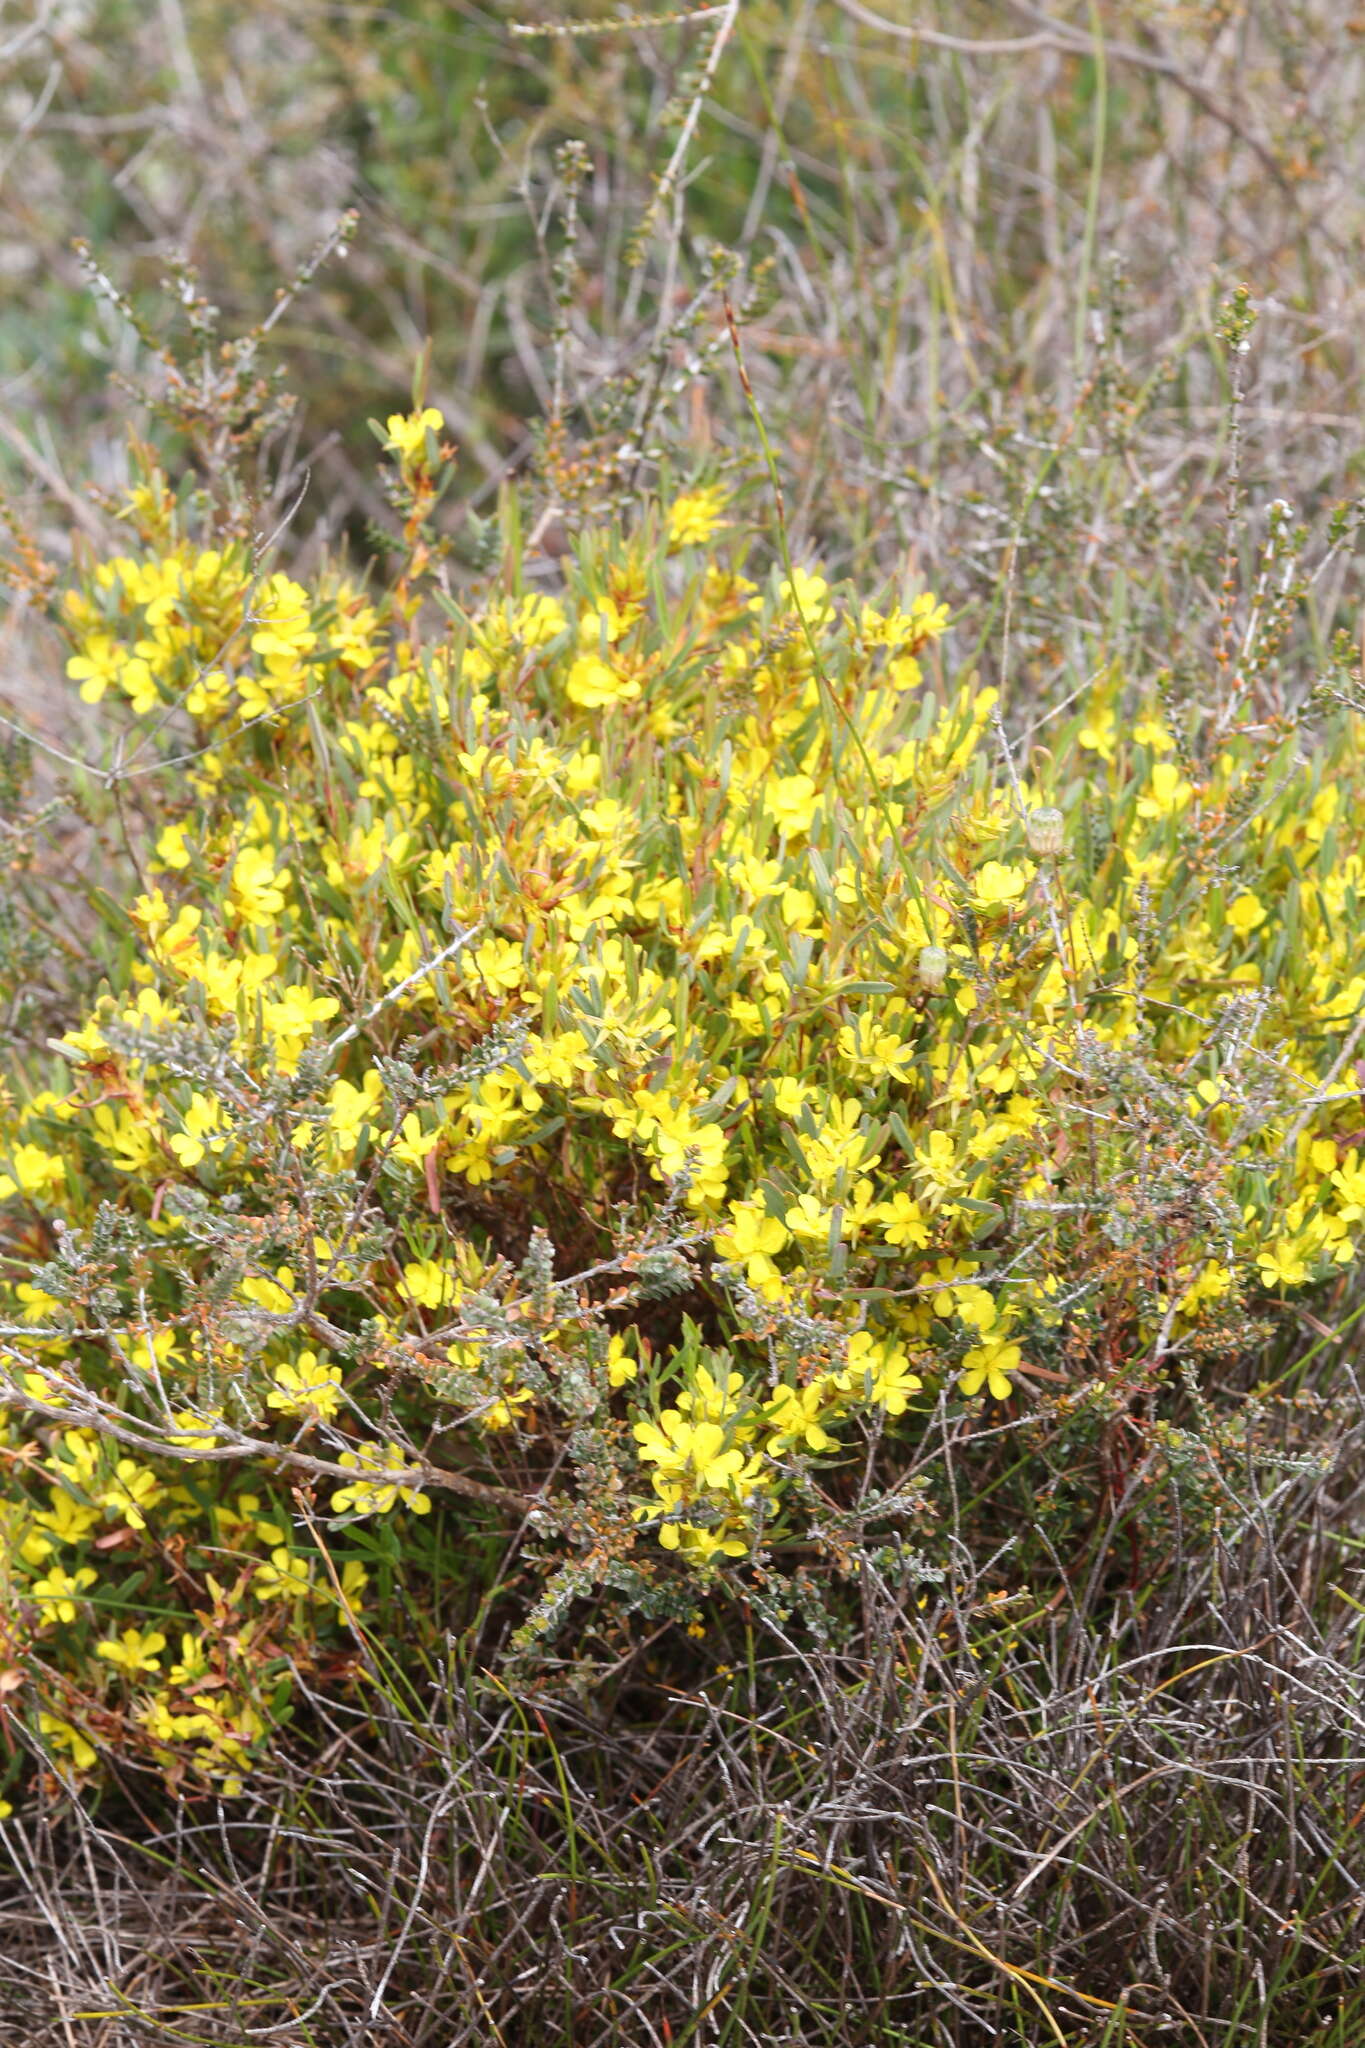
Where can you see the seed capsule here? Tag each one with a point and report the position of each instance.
(933, 967)
(1045, 829)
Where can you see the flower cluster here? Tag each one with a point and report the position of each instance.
(671, 937)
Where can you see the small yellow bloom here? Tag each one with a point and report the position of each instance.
(407, 432)
(194, 1661)
(32, 1171)
(172, 847)
(792, 802)
(1099, 735)
(695, 517)
(752, 1238)
(285, 1577)
(377, 1495)
(1282, 1264)
(430, 1284)
(306, 1386)
(621, 1367)
(197, 1137)
(903, 1221)
(990, 1365)
(61, 1736)
(506, 1412)
(58, 1591)
(593, 683)
(1167, 793)
(134, 1651)
(999, 882)
(681, 1448)
(1244, 913)
(132, 1489)
(877, 1369)
(1151, 731)
(258, 891)
(807, 592)
(794, 1414)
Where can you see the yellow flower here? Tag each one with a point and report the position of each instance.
(32, 1171)
(711, 1399)
(190, 1434)
(903, 1221)
(753, 1237)
(378, 1495)
(937, 1168)
(998, 882)
(1349, 1181)
(289, 1020)
(194, 1662)
(306, 1386)
(210, 697)
(807, 592)
(537, 619)
(686, 1450)
(621, 1367)
(506, 1412)
(882, 1052)
(196, 1138)
(430, 1284)
(407, 432)
(593, 682)
(877, 1369)
(792, 802)
(354, 1579)
(990, 1365)
(1213, 1281)
(1244, 913)
(133, 1651)
(58, 1590)
(1100, 733)
(1282, 1264)
(69, 1519)
(285, 638)
(809, 1220)
(172, 847)
(1151, 731)
(132, 1489)
(285, 1577)
(62, 1736)
(353, 1109)
(926, 620)
(274, 1295)
(794, 1414)
(1168, 792)
(695, 517)
(98, 668)
(413, 1143)
(496, 964)
(258, 893)
(791, 1096)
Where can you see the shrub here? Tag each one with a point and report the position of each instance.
(609, 1065)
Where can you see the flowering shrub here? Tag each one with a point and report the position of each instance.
(614, 1059)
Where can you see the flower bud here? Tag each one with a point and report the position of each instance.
(1045, 830)
(932, 967)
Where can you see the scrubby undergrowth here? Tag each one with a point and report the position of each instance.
(639, 1144)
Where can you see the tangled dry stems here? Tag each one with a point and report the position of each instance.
(1138, 1825)
(1150, 1806)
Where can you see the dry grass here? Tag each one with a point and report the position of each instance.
(1127, 1812)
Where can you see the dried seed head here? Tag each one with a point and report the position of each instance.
(1046, 831)
(932, 967)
